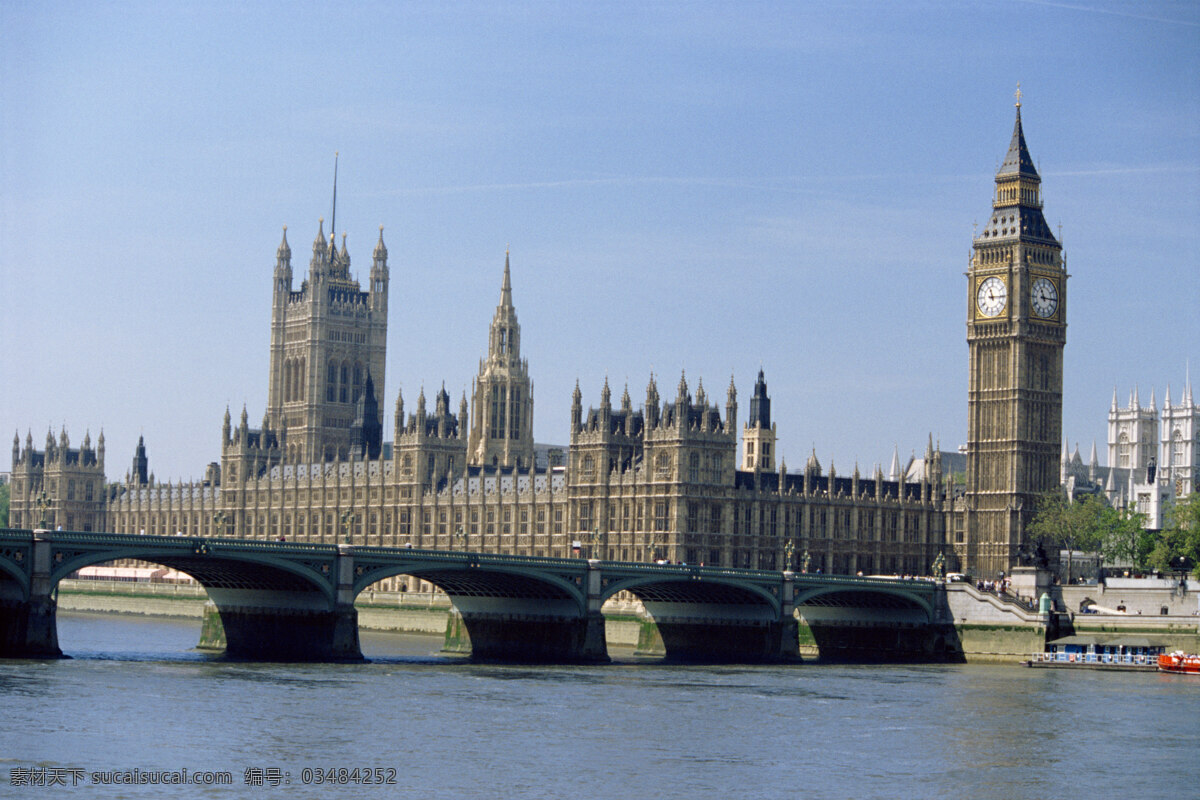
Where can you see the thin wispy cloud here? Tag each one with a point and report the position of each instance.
(795, 184)
(1157, 169)
(1112, 12)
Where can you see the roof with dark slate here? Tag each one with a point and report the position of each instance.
(794, 482)
(1017, 160)
(1013, 222)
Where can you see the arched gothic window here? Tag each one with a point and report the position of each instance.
(662, 465)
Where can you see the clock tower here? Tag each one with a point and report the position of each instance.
(1016, 331)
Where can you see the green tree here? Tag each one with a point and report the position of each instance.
(4, 496)
(1078, 525)
(1179, 542)
(1125, 538)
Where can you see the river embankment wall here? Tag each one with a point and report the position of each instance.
(991, 628)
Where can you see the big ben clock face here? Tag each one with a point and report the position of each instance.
(1044, 297)
(992, 297)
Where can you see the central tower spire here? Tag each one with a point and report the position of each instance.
(502, 412)
(333, 215)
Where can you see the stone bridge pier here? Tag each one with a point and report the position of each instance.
(28, 625)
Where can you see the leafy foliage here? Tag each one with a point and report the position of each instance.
(4, 498)
(1178, 545)
(1091, 524)
(1074, 526)
(1125, 538)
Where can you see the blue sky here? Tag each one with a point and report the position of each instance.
(709, 187)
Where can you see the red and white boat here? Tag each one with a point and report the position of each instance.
(1179, 662)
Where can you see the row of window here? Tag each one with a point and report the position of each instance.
(505, 413)
(708, 467)
(344, 382)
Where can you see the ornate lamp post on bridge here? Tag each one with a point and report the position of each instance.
(789, 549)
(939, 566)
(594, 542)
(460, 536)
(43, 502)
(348, 518)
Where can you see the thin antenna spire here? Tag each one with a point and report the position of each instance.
(333, 220)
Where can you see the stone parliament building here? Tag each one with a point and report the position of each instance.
(666, 480)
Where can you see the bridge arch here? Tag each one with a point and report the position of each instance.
(471, 578)
(275, 601)
(14, 580)
(245, 571)
(694, 589)
(513, 609)
(864, 596)
(874, 620)
(710, 615)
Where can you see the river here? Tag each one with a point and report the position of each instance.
(135, 697)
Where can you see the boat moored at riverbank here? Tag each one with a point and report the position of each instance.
(1180, 663)
(1092, 651)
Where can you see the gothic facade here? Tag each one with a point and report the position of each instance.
(659, 483)
(328, 342)
(668, 480)
(1153, 456)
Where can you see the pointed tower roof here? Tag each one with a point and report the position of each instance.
(284, 251)
(504, 337)
(760, 404)
(319, 244)
(1017, 160)
(1016, 206)
(380, 247)
(506, 286)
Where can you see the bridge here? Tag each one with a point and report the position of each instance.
(284, 601)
